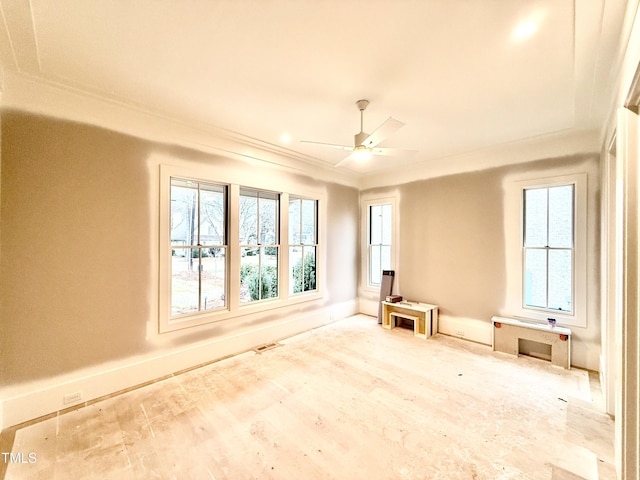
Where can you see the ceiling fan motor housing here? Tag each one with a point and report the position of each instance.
(359, 138)
(362, 104)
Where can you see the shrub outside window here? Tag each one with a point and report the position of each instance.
(259, 245)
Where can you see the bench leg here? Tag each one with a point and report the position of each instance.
(560, 353)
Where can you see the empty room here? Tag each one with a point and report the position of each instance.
(310, 239)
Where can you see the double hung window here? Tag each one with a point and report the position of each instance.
(198, 246)
(379, 241)
(548, 248)
(303, 244)
(259, 246)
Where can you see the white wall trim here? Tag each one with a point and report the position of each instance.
(369, 306)
(478, 331)
(33, 403)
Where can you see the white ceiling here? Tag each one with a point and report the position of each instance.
(454, 71)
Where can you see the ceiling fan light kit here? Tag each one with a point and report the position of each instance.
(361, 153)
(364, 144)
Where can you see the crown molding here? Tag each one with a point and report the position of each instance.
(554, 145)
(35, 95)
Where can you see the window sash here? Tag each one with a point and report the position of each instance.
(548, 238)
(199, 283)
(380, 223)
(303, 245)
(259, 221)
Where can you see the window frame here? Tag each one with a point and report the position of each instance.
(198, 245)
(381, 245)
(516, 294)
(365, 208)
(548, 249)
(260, 193)
(234, 182)
(302, 244)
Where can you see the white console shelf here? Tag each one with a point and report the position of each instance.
(423, 315)
(507, 333)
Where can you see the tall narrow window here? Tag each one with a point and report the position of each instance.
(198, 247)
(379, 241)
(548, 248)
(259, 245)
(303, 244)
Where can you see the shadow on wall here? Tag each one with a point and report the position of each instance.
(79, 271)
(76, 273)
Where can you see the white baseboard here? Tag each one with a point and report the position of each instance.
(22, 406)
(480, 331)
(467, 328)
(369, 307)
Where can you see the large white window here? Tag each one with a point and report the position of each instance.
(228, 250)
(303, 244)
(546, 221)
(548, 247)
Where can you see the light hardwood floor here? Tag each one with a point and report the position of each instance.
(346, 401)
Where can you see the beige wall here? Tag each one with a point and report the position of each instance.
(452, 247)
(79, 258)
(80, 246)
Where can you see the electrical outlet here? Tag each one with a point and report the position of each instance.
(460, 333)
(70, 398)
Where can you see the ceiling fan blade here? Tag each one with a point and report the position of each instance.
(390, 151)
(389, 126)
(332, 145)
(343, 161)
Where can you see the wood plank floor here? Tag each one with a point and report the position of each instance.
(346, 401)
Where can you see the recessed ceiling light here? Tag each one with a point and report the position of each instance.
(285, 138)
(525, 30)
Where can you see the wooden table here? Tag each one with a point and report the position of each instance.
(423, 315)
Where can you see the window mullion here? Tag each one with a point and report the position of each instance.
(234, 247)
(546, 249)
(258, 244)
(259, 226)
(198, 242)
(546, 300)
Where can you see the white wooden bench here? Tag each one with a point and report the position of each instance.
(508, 331)
(423, 315)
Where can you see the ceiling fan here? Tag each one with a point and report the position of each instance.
(365, 144)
